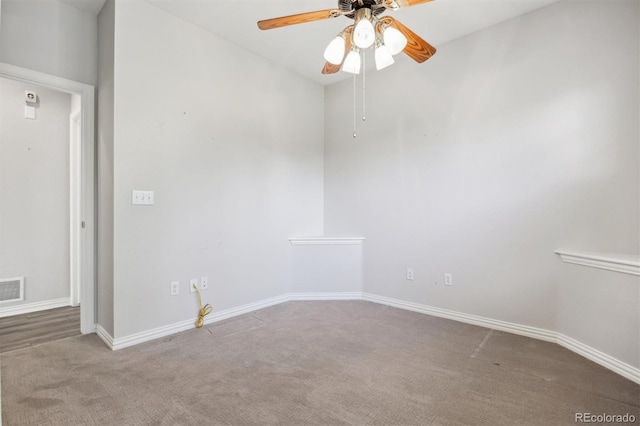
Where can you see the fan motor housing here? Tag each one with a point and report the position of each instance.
(353, 5)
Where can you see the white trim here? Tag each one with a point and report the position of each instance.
(625, 370)
(34, 307)
(314, 241)
(75, 208)
(104, 336)
(607, 361)
(156, 333)
(354, 295)
(613, 364)
(522, 330)
(626, 264)
(83, 252)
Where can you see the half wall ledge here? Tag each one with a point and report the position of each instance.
(624, 263)
(332, 241)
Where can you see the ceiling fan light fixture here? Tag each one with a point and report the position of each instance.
(352, 62)
(383, 57)
(363, 34)
(394, 40)
(334, 53)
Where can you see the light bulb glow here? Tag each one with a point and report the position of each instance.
(383, 57)
(352, 63)
(394, 40)
(334, 53)
(364, 34)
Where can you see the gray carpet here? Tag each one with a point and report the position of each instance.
(304, 363)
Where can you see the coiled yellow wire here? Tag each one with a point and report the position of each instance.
(204, 310)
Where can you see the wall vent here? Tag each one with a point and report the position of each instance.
(11, 289)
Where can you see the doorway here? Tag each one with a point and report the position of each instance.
(82, 276)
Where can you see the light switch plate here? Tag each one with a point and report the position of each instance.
(30, 112)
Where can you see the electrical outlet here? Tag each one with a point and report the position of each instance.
(448, 279)
(193, 284)
(142, 197)
(410, 274)
(204, 283)
(175, 287)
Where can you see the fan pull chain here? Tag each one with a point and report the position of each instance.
(354, 106)
(364, 77)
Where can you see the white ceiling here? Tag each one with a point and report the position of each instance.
(300, 47)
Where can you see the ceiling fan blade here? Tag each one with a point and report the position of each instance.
(416, 48)
(300, 18)
(406, 3)
(330, 68)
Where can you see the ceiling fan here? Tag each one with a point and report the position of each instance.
(385, 34)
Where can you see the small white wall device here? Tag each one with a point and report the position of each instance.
(30, 96)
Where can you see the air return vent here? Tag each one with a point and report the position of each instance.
(11, 289)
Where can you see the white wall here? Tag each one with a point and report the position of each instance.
(105, 165)
(231, 144)
(326, 267)
(34, 192)
(51, 37)
(508, 144)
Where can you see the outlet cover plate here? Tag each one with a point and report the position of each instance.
(410, 274)
(448, 279)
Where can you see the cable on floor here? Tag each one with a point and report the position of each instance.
(204, 310)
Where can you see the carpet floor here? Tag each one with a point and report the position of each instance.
(312, 363)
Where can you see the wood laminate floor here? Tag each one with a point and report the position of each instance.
(23, 331)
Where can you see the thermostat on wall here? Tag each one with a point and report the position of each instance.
(30, 96)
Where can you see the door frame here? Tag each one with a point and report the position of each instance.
(82, 191)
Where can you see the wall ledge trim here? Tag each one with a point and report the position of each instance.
(314, 241)
(27, 308)
(630, 372)
(298, 297)
(626, 264)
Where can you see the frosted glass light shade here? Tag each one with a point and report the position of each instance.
(352, 63)
(364, 34)
(383, 57)
(394, 40)
(334, 53)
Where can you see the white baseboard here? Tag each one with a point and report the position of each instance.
(26, 308)
(523, 330)
(104, 336)
(156, 333)
(607, 361)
